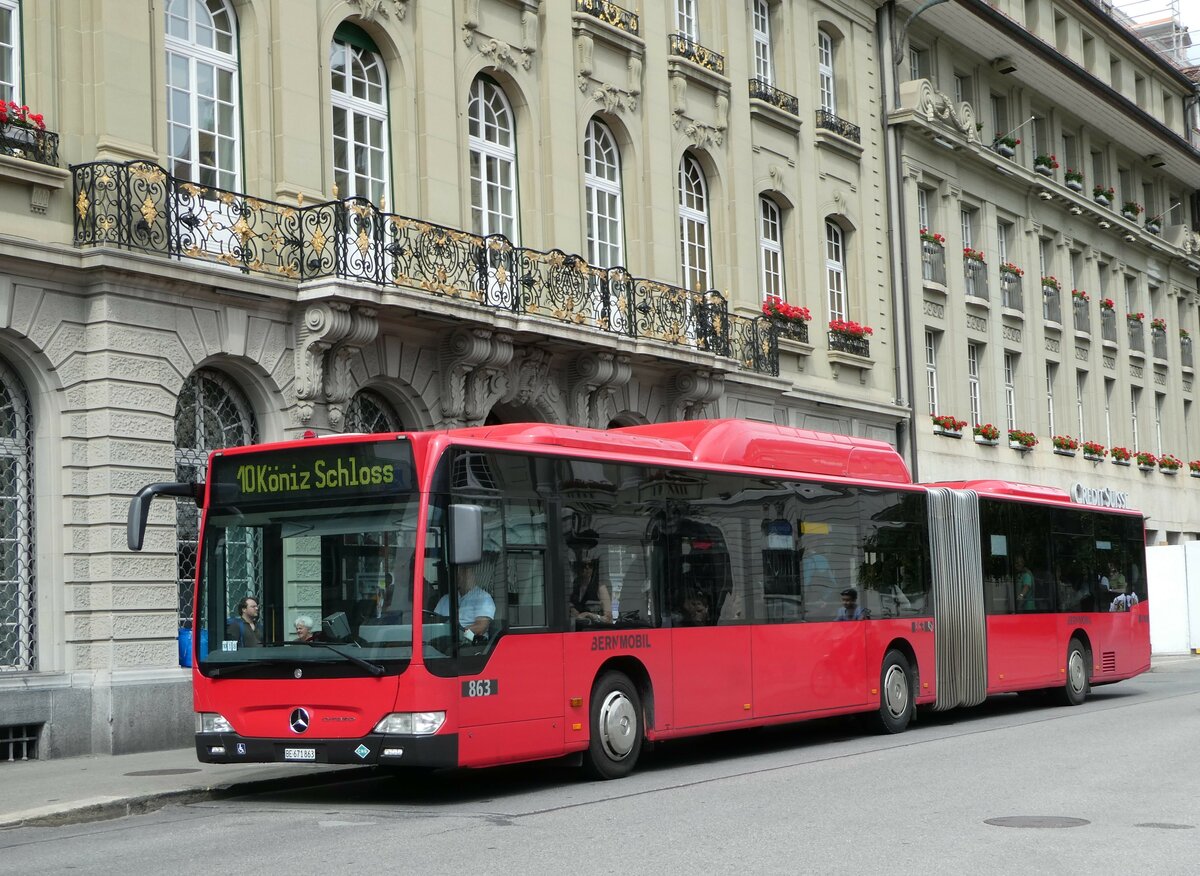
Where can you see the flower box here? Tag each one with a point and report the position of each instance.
(1074, 185)
(1124, 462)
(1005, 150)
(1146, 467)
(1017, 445)
(992, 442)
(947, 433)
(1062, 452)
(1043, 169)
(1169, 471)
(1103, 201)
(1093, 457)
(1130, 215)
(1195, 474)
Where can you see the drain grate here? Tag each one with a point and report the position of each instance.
(19, 742)
(1036, 821)
(162, 772)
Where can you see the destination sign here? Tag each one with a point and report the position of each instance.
(318, 472)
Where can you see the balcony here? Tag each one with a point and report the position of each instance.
(611, 14)
(1137, 336)
(1010, 291)
(844, 343)
(781, 100)
(827, 121)
(682, 47)
(138, 206)
(1082, 317)
(1185, 352)
(31, 144)
(1052, 305)
(933, 262)
(975, 277)
(1108, 327)
(1158, 344)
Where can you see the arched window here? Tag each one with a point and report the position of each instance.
(18, 605)
(602, 191)
(358, 92)
(202, 92)
(10, 50)
(368, 411)
(211, 413)
(825, 77)
(770, 248)
(491, 138)
(835, 270)
(693, 225)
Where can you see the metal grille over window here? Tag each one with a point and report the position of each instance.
(18, 605)
(211, 413)
(369, 412)
(19, 742)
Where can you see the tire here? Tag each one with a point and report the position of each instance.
(1078, 683)
(895, 694)
(616, 728)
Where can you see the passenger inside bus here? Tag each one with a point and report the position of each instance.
(590, 600)
(694, 610)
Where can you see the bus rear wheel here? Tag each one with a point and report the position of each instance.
(895, 694)
(1075, 689)
(616, 728)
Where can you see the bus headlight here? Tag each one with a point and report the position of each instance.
(211, 722)
(411, 723)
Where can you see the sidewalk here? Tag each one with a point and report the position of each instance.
(44, 793)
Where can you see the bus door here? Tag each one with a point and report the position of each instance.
(963, 644)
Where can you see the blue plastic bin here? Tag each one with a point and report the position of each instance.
(185, 646)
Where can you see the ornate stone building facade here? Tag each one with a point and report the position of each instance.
(244, 220)
(1045, 197)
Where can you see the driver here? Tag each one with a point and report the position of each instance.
(476, 608)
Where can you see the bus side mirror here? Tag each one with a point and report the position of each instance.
(139, 508)
(466, 534)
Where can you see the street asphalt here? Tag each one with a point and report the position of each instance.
(47, 793)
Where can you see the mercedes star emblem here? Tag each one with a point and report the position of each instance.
(298, 720)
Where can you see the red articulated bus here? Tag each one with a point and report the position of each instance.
(501, 594)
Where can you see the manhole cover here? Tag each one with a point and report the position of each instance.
(1036, 821)
(162, 772)
(1166, 825)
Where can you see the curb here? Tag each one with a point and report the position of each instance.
(145, 803)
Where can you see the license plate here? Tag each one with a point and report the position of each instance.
(299, 754)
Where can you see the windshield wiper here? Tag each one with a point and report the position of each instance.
(374, 668)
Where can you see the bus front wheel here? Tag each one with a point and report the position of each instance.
(1075, 689)
(616, 727)
(895, 694)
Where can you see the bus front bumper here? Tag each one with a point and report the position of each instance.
(420, 751)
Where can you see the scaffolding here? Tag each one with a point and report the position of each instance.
(1159, 25)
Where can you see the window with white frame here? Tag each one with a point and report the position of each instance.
(960, 88)
(693, 225)
(931, 376)
(1080, 409)
(686, 22)
(203, 124)
(835, 270)
(923, 208)
(358, 93)
(603, 196)
(974, 392)
(1043, 256)
(10, 50)
(918, 63)
(1003, 233)
(1109, 384)
(1135, 400)
(491, 139)
(966, 220)
(1010, 389)
(825, 77)
(1051, 374)
(770, 247)
(760, 24)
(1159, 402)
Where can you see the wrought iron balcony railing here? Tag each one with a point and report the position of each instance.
(933, 262)
(1108, 326)
(610, 13)
(1185, 352)
(765, 91)
(975, 276)
(1137, 336)
(683, 47)
(1010, 291)
(793, 330)
(845, 343)
(1051, 305)
(1083, 317)
(1158, 343)
(139, 206)
(22, 141)
(841, 127)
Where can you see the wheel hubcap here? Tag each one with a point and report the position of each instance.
(895, 691)
(618, 725)
(1076, 672)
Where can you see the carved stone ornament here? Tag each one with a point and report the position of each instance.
(369, 10)
(474, 374)
(501, 54)
(328, 325)
(919, 95)
(592, 378)
(529, 377)
(692, 390)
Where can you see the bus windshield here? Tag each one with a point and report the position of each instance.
(331, 568)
